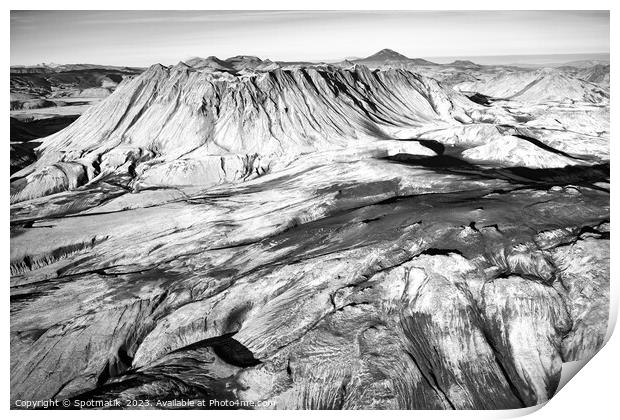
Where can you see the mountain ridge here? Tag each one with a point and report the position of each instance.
(172, 112)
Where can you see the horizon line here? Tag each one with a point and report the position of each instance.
(327, 61)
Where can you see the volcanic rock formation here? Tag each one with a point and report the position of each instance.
(179, 126)
(387, 57)
(314, 236)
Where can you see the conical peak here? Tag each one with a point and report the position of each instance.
(388, 54)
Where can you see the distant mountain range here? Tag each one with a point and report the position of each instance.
(385, 56)
(34, 86)
(59, 68)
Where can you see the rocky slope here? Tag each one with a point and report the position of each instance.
(537, 86)
(179, 126)
(596, 73)
(311, 237)
(46, 86)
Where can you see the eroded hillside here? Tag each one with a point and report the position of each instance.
(316, 237)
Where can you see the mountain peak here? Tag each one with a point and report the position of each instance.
(248, 58)
(155, 68)
(387, 54)
(464, 63)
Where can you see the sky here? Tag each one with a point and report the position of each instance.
(142, 38)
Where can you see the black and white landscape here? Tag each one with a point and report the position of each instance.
(372, 233)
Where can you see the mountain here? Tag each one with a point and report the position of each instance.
(586, 63)
(31, 69)
(241, 62)
(60, 68)
(210, 62)
(536, 86)
(386, 55)
(68, 80)
(306, 236)
(597, 73)
(233, 65)
(391, 58)
(179, 125)
(465, 64)
(182, 126)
